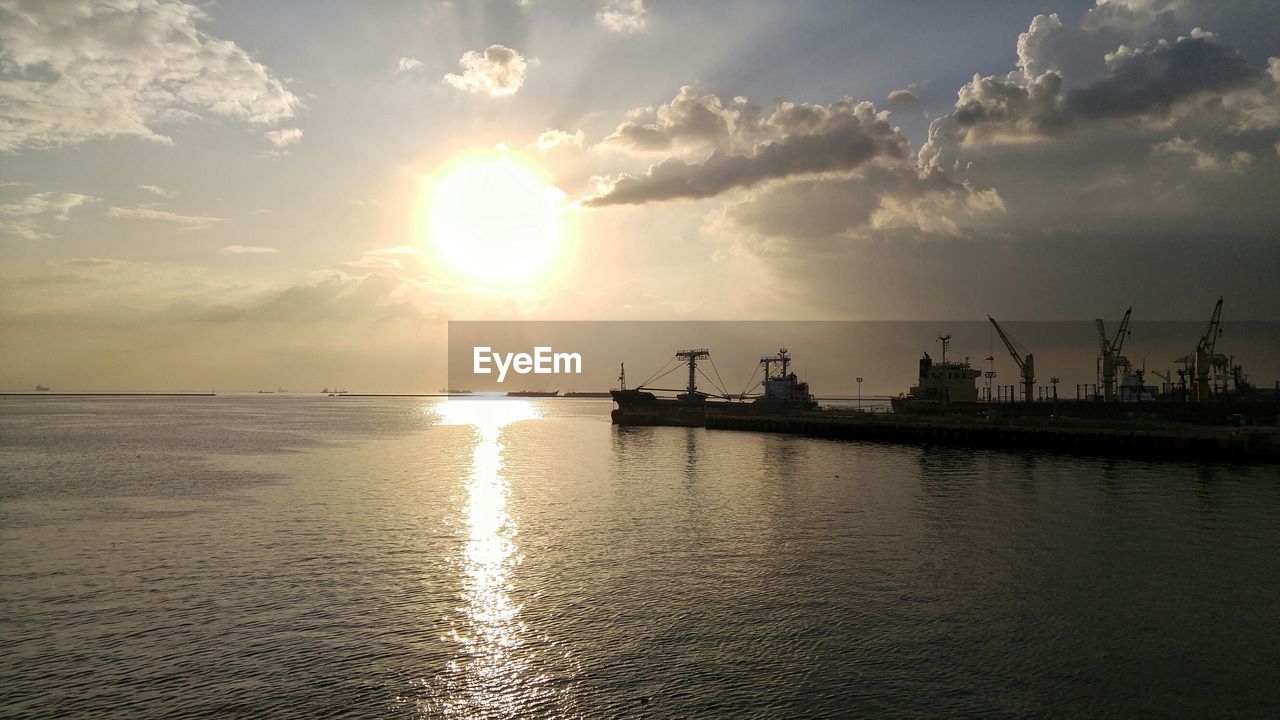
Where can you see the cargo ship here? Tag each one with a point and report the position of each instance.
(783, 393)
(945, 406)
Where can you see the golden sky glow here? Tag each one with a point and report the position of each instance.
(308, 203)
(494, 219)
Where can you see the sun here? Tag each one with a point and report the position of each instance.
(495, 219)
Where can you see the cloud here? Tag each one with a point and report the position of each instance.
(89, 262)
(156, 190)
(552, 139)
(26, 217)
(622, 16)
(248, 250)
(498, 72)
(78, 70)
(802, 139)
(408, 64)
(1154, 84)
(1153, 80)
(1238, 161)
(817, 214)
(334, 296)
(692, 120)
(903, 98)
(397, 250)
(284, 137)
(1107, 140)
(191, 222)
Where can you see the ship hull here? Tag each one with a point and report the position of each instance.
(639, 408)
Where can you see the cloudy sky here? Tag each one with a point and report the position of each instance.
(246, 194)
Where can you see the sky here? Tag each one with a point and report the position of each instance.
(245, 195)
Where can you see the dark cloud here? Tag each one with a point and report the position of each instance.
(1139, 83)
(813, 215)
(807, 139)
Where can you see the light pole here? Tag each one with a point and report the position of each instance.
(859, 394)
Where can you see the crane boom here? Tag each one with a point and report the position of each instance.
(1122, 332)
(1209, 341)
(1024, 360)
(1111, 354)
(1205, 352)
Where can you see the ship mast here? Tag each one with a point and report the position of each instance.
(692, 356)
(782, 358)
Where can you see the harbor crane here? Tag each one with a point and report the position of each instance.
(1205, 356)
(1111, 356)
(1025, 361)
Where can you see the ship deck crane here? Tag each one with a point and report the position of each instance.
(1111, 356)
(1025, 361)
(1205, 355)
(692, 357)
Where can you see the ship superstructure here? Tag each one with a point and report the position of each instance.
(942, 382)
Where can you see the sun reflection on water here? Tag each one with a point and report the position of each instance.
(489, 676)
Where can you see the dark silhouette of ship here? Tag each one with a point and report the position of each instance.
(783, 393)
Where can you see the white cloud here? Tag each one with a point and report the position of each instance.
(692, 121)
(903, 98)
(193, 222)
(26, 217)
(555, 138)
(247, 250)
(77, 70)
(156, 190)
(371, 261)
(498, 72)
(284, 137)
(622, 16)
(408, 64)
(397, 250)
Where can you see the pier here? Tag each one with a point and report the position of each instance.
(1112, 437)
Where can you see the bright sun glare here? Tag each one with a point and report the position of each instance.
(495, 219)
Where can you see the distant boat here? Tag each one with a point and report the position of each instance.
(264, 392)
(533, 393)
(41, 388)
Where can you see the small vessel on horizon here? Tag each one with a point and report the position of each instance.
(41, 388)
